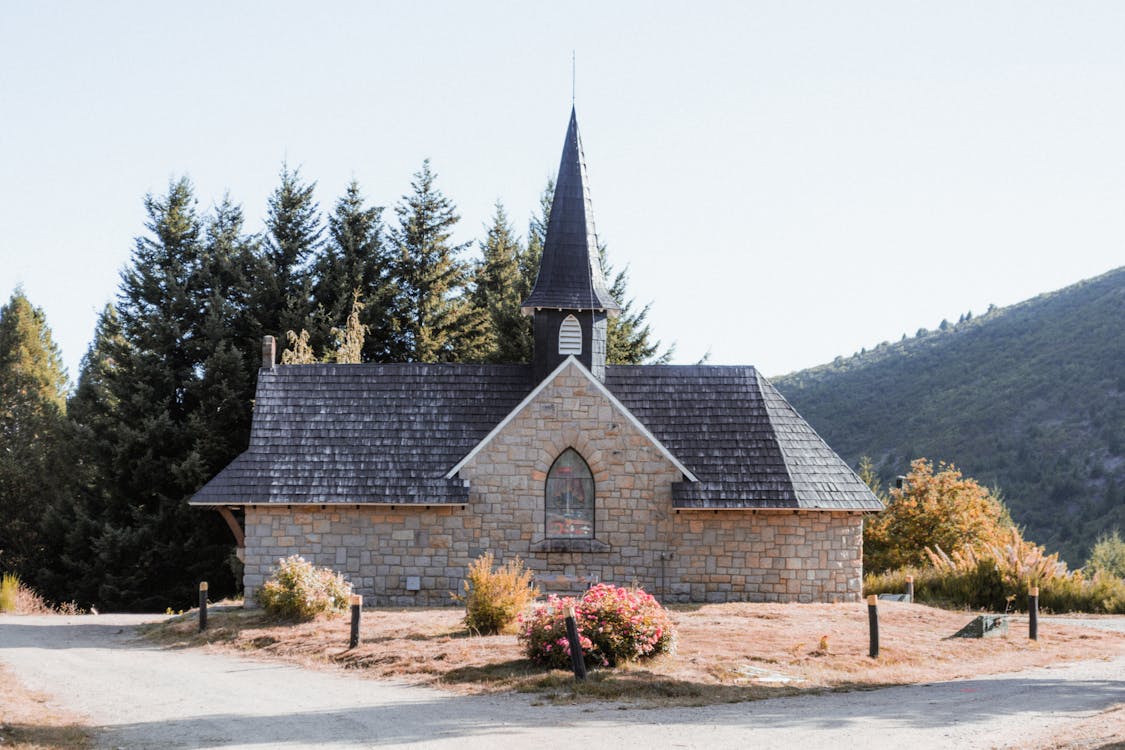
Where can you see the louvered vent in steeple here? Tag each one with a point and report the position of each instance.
(570, 336)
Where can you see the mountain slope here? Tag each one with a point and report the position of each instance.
(1030, 398)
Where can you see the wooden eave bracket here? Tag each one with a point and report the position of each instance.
(232, 522)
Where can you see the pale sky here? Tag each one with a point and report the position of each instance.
(787, 182)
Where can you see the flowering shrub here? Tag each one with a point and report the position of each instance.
(300, 590)
(614, 625)
(494, 598)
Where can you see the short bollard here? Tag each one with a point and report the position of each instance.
(357, 606)
(577, 659)
(910, 589)
(202, 606)
(1033, 613)
(873, 621)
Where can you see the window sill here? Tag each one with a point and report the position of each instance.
(569, 545)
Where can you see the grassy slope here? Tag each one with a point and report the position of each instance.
(1030, 398)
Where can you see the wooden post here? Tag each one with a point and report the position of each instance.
(873, 622)
(1033, 613)
(577, 659)
(202, 606)
(910, 589)
(357, 606)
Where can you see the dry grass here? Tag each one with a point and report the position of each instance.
(28, 602)
(727, 652)
(29, 722)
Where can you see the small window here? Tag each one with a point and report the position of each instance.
(570, 336)
(570, 498)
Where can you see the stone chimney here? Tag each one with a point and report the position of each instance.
(269, 352)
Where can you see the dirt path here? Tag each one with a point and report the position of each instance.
(139, 696)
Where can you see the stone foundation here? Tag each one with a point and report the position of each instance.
(705, 557)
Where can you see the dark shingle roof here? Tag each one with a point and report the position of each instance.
(570, 274)
(366, 433)
(747, 446)
(389, 433)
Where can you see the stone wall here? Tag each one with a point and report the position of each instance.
(406, 554)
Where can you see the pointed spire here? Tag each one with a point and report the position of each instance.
(570, 274)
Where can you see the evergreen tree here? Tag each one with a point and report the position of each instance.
(349, 340)
(499, 289)
(166, 389)
(299, 351)
(75, 526)
(293, 230)
(32, 441)
(439, 323)
(536, 238)
(356, 259)
(629, 340)
(228, 340)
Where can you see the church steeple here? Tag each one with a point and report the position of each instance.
(570, 301)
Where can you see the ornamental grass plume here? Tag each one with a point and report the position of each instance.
(9, 591)
(615, 625)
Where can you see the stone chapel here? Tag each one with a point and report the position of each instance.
(700, 483)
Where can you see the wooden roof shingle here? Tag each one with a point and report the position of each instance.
(389, 433)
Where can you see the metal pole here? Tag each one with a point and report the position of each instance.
(577, 660)
(873, 622)
(357, 606)
(1033, 613)
(910, 589)
(202, 606)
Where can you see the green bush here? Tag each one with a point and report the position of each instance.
(614, 625)
(983, 587)
(1108, 555)
(299, 590)
(495, 598)
(1102, 593)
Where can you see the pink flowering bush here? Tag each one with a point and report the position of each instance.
(615, 624)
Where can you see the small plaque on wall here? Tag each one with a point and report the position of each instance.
(414, 583)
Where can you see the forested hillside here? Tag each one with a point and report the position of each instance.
(1029, 398)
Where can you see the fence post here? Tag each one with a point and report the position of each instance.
(357, 606)
(202, 606)
(910, 589)
(577, 659)
(873, 622)
(1033, 613)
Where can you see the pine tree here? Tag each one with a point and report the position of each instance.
(33, 456)
(75, 526)
(439, 323)
(166, 390)
(227, 351)
(349, 340)
(293, 230)
(298, 351)
(629, 340)
(536, 239)
(356, 259)
(499, 289)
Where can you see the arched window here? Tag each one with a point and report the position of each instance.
(570, 336)
(570, 498)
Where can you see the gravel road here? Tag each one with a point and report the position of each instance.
(140, 696)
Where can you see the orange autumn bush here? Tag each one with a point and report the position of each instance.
(934, 509)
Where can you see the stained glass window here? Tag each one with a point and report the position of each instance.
(570, 498)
